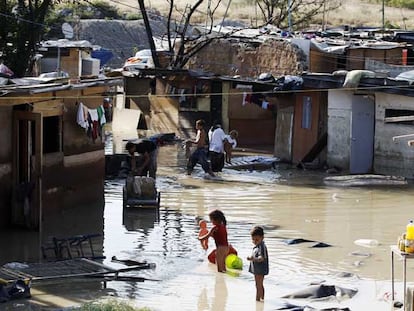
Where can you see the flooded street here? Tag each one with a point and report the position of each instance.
(288, 203)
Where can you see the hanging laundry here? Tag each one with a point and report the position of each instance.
(246, 98)
(81, 116)
(93, 123)
(101, 115)
(91, 120)
(257, 99)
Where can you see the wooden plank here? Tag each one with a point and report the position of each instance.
(399, 119)
(49, 108)
(96, 90)
(402, 136)
(315, 150)
(23, 99)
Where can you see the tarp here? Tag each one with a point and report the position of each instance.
(103, 55)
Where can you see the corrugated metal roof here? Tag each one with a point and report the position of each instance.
(56, 86)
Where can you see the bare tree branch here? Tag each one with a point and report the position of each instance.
(276, 12)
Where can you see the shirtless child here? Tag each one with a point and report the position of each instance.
(230, 143)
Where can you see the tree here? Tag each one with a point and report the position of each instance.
(21, 28)
(183, 42)
(285, 13)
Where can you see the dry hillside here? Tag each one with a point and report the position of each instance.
(351, 12)
(124, 38)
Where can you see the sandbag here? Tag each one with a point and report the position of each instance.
(354, 76)
(141, 187)
(148, 189)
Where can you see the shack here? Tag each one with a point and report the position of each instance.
(52, 129)
(46, 153)
(369, 127)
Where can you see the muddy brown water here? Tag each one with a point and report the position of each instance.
(289, 204)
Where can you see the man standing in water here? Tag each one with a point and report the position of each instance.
(216, 136)
(148, 150)
(200, 154)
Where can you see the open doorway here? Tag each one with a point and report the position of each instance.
(27, 169)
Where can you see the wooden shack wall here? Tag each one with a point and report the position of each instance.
(136, 93)
(322, 62)
(256, 126)
(5, 163)
(72, 176)
(305, 138)
(71, 63)
(284, 128)
(356, 57)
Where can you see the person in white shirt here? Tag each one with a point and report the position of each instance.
(216, 137)
(230, 143)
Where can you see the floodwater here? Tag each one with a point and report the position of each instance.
(288, 203)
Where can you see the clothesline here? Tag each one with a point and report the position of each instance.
(91, 120)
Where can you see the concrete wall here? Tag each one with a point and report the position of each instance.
(393, 158)
(339, 128)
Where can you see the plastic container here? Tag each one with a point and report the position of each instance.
(409, 235)
(367, 242)
(409, 238)
(401, 243)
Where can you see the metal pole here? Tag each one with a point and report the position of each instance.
(289, 17)
(149, 33)
(225, 15)
(383, 17)
(255, 11)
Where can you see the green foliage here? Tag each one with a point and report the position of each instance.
(388, 25)
(87, 10)
(405, 4)
(132, 16)
(111, 305)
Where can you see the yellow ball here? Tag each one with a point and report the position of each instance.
(234, 262)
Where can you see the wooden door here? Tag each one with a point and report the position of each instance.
(306, 121)
(27, 169)
(362, 135)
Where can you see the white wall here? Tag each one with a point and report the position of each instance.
(393, 157)
(339, 128)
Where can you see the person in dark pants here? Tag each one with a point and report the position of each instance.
(201, 152)
(216, 137)
(149, 152)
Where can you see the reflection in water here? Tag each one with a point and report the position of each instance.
(25, 246)
(203, 300)
(143, 219)
(220, 293)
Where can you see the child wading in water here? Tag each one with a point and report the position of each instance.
(219, 233)
(259, 261)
